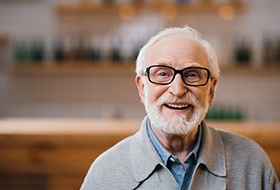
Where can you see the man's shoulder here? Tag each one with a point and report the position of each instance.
(237, 144)
(235, 139)
(108, 169)
(244, 157)
(117, 153)
(112, 169)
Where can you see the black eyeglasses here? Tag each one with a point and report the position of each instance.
(192, 76)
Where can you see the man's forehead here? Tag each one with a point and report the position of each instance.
(177, 42)
(169, 60)
(177, 49)
(179, 37)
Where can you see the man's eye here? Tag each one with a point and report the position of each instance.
(192, 75)
(163, 74)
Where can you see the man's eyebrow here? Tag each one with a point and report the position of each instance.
(193, 64)
(161, 63)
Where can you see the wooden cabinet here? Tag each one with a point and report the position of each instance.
(55, 154)
(82, 67)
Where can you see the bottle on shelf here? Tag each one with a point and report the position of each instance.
(225, 113)
(242, 53)
(26, 52)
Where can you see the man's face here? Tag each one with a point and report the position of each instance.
(176, 108)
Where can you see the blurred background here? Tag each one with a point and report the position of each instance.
(62, 59)
(76, 58)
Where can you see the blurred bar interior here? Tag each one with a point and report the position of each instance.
(62, 59)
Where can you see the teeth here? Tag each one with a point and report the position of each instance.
(178, 106)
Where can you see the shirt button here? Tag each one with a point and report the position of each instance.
(172, 159)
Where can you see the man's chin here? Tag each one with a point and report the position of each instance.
(175, 126)
(180, 123)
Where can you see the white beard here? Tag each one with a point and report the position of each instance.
(177, 124)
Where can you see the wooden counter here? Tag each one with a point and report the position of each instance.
(56, 153)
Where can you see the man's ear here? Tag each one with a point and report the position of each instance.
(212, 91)
(140, 87)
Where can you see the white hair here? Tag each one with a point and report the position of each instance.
(188, 32)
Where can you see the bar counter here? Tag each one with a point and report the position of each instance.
(55, 154)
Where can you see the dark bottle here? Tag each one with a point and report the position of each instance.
(242, 53)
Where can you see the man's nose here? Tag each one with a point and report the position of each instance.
(178, 87)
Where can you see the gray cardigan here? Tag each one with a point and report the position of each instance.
(225, 161)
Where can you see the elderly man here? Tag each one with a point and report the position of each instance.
(177, 73)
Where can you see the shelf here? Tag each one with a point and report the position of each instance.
(185, 8)
(83, 67)
(119, 68)
(251, 70)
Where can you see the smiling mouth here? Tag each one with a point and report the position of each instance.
(177, 106)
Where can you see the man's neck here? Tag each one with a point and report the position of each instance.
(177, 145)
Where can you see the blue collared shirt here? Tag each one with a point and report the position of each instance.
(183, 177)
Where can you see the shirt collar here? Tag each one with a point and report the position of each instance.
(163, 153)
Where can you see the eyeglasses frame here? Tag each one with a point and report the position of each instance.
(147, 72)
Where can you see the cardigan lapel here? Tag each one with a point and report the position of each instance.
(210, 171)
(147, 164)
(144, 157)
